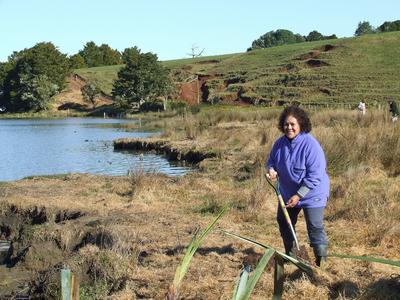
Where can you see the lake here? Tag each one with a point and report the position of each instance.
(73, 145)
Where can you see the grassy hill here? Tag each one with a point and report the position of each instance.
(322, 72)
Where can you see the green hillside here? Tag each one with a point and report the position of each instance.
(330, 71)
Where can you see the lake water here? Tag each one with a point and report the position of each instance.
(73, 145)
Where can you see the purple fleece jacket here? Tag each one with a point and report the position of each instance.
(301, 168)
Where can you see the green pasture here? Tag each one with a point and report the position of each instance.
(330, 71)
(105, 76)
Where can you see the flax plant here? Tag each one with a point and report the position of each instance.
(245, 285)
(173, 292)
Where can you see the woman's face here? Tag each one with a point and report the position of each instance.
(291, 127)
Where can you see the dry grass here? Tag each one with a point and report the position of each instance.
(132, 231)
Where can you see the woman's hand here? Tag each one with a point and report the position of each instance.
(293, 201)
(272, 174)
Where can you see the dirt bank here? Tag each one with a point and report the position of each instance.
(173, 151)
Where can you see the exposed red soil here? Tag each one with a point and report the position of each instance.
(190, 92)
(193, 92)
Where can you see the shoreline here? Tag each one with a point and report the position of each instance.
(173, 151)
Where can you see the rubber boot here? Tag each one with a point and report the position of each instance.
(288, 247)
(320, 252)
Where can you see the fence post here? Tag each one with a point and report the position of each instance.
(75, 288)
(279, 277)
(66, 284)
(69, 286)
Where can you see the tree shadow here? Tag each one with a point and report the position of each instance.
(109, 110)
(73, 106)
(383, 289)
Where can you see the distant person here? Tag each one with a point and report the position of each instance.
(299, 161)
(393, 108)
(362, 107)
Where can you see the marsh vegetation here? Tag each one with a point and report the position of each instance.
(124, 237)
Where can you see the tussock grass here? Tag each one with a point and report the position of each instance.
(105, 271)
(137, 181)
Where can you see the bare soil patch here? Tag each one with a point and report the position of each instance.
(205, 62)
(316, 63)
(328, 47)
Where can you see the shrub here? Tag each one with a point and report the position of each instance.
(178, 106)
(195, 109)
(156, 105)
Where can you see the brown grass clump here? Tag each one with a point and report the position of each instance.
(367, 196)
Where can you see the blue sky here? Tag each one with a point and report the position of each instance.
(171, 28)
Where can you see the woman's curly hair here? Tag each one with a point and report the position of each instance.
(300, 115)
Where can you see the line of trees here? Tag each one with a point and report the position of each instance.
(95, 56)
(31, 77)
(283, 36)
(366, 28)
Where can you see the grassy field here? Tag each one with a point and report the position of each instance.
(331, 71)
(124, 236)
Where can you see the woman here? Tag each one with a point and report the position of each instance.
(394, 110)
(299, 161)
(362, 107)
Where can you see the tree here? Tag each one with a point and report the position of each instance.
(390, 26)
(110, 56)
(96, 56)
(143, 78)
(46, 59)
(76, 62)
(277, 38)
(5, 68)
(330, 37)
(364, 28)
(36, 92)
(91, 54)
(314, 36)
(130, 55)
(35, 75)
(91, 92)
